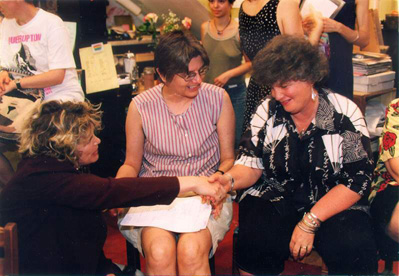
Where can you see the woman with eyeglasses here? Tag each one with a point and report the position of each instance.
(180, 127)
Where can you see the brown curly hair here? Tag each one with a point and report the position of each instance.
(55, 129)
(289, 58)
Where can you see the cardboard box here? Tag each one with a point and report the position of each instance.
(376, 82)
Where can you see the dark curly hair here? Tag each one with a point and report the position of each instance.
(174, 52)
(289, 58)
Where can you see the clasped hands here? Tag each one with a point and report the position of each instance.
(224, 186)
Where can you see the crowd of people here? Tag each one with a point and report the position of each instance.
(292, 148)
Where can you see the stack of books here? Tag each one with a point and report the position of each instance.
(372, 72)
(365, 63)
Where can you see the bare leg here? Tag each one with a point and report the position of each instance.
(392, 229)
(160, 251)
(193, 253)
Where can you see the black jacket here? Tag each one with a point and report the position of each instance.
(58, 213)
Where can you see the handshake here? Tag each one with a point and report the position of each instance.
(213, 189)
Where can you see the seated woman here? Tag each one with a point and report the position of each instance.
(58, 208)
(179, 127)
(305, 164)
(384, 196)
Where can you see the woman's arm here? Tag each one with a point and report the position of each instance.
(223, 78)
(203, 30)
(335, 201)
(290, 21)
(134, 144)
(243, 176)
(225, 129)
(43, 80)
(358, 37)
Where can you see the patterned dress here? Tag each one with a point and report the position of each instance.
(335, 149)
(255, 32)
(389, 148)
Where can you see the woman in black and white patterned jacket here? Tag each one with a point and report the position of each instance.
(305, 164)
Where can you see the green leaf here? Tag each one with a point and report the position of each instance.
(392, 151)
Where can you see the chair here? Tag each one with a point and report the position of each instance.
(9, 250)
(133, 260)
(388, 251)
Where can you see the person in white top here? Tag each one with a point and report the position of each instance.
(35, 54)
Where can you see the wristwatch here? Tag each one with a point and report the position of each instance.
(18, 84)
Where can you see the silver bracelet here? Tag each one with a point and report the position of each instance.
(304, 229)
(357, 37)
(231, 181)
(314, 216)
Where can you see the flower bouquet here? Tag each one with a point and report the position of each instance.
(172, 23)
(148, 27)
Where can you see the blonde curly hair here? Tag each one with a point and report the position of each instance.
(56, 128)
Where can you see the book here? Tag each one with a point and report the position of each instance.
(328, 8)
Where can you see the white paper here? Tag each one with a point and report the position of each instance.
(71, 26)
(328, 8)
(183, 215)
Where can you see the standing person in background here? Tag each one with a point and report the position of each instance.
(342, 36)
(35, 53)
(259, 22)
(221, 41)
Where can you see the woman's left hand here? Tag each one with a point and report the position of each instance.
(330, 25)
(221, 80)
(301, 243)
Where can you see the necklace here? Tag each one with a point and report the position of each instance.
(220, 32)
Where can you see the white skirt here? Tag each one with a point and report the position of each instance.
(217, 227)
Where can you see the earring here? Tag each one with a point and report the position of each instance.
(314, 95)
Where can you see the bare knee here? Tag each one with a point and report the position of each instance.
(160, 252)
(189, 253)
(392, 229)
(192, 258)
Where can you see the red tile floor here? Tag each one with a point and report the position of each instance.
(115, 248)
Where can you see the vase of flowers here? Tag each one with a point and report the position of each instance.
(148, 27)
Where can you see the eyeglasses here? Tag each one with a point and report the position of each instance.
(191, 75)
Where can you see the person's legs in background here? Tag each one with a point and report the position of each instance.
(346, 244)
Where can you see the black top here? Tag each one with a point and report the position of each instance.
(340, 78)
(255, 31)
(58, 213)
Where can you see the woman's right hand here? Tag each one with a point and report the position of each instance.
(201, 186)
(4, 81)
